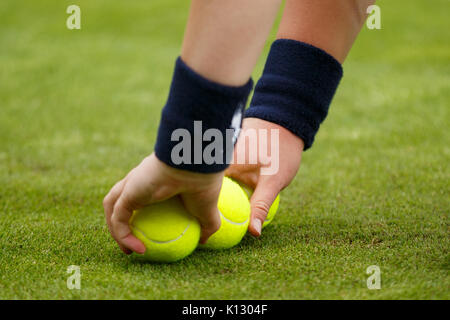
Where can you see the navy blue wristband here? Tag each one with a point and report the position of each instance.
(296, 88)
(194, 106)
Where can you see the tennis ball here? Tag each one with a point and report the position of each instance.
(234, 210)
(273, 208)
(167, 230)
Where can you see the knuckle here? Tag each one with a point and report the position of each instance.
(211, 226)
(114, 220)
(121, 203)
(116, 228)
(260, 208)
(273, 182)
(106, 201)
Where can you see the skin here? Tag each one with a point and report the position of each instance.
(224, 39)
(222, 42)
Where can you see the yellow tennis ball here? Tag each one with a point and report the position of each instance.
(234, 210)
(167, 230)
(273, 208)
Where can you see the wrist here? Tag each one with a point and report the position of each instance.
(296, 88)
(200, 122)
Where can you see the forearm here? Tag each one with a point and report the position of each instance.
(327, 24)
(223, 39)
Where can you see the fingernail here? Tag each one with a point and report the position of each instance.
(257, 226)
(140, 251)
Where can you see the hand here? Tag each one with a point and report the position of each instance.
(266, 186)
(153, 181)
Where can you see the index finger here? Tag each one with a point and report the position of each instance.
(121, 215)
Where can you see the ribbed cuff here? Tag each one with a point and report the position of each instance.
(296, 88)
(195, 105)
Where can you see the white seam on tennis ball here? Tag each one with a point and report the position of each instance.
(163, 242)
(232, 222)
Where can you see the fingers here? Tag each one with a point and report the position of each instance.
(108, 206)
(204, 208)
(116, 217)
(121, 231)
(260, 203)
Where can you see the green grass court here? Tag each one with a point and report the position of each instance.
(80, 108)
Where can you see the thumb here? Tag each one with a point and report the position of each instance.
(204, 208)
(260, 203)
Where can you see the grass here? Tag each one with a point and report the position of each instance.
(78, 109)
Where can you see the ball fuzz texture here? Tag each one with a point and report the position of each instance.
(273, 209)
(234, 210)
(167, 230)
